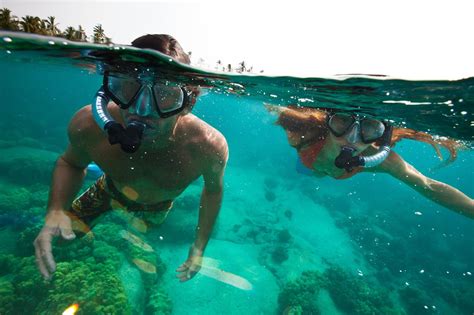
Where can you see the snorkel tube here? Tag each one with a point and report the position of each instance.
(348, 162)
(129, 138)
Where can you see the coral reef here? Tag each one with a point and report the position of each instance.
(351, 294)
(158, 303)
(301, 294)
(87, 274)
(94, 286)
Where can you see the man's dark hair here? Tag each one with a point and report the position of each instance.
(165, 44)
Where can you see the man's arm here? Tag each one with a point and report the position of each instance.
(67, 179)
(439, 192)
(68, 176)
(211, 199)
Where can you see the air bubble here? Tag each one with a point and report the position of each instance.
(7, 39)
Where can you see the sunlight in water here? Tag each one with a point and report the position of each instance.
(210, 269)
(71, 309)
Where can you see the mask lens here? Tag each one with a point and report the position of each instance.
(122, 88)
(340, 124)
(371, 129)
(168, 97)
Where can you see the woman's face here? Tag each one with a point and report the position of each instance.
(351, 139)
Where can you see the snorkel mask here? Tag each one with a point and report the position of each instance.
(366, 130)
(142, 95)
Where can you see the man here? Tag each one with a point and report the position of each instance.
(171, 148)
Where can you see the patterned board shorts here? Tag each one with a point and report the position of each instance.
(103, 196)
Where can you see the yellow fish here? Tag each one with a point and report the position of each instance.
(144, 266)
(135, 240)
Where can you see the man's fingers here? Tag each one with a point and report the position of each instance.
(194, 268)
(50, 263)
(46, 253)
(182, 268)
(187, 272)
(65, 227)
(67, 234)
(39, 261)
(183, 276)
(43, 252)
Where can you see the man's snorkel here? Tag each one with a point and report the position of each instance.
(348, 162)
(129, 138)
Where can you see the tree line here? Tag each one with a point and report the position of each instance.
(49, 27)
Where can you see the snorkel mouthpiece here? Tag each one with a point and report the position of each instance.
(132, 137)
(129, 138)
(348, 162)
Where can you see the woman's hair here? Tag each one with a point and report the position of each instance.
(304, 120)
(451, 145)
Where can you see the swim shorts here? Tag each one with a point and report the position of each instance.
(103, 196)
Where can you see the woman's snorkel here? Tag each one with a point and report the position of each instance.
(129, 138)
(346, 161)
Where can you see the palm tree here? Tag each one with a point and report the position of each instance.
(52, 27)
(31, 24)
(99, 34)
(242, 67)
(70, 33)
(81, 34)
(8, 21)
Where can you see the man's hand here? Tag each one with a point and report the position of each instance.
(191, 266)
(56, 223)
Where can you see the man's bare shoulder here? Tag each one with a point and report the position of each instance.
(82, 128)
(206, 139)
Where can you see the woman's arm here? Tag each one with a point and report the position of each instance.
(439, 192)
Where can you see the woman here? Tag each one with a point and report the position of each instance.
(341, 145)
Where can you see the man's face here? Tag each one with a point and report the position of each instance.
(156, 126)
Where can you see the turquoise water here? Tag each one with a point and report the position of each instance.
(298, 244)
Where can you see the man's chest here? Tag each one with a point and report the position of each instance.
(150, 174)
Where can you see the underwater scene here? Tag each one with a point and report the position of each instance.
(394, 239)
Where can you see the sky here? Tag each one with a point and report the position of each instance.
(414, 39)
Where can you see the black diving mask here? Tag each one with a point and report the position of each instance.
(146, 94)
(369, 130)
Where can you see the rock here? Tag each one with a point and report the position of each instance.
(27, 166)
(133, 285)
